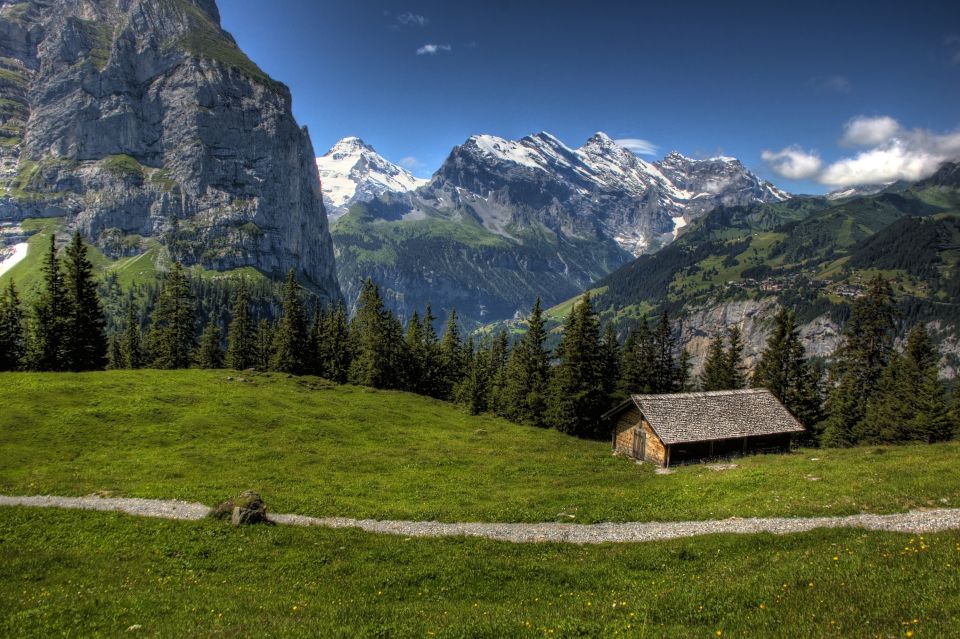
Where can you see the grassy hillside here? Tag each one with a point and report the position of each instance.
(316, 449)
(144, 268)
(812, 253)
(99, 574)
(452, 261)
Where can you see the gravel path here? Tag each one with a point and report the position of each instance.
(916, 522)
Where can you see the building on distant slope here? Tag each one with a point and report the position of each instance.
(689, 427)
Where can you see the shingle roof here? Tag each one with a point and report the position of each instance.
(695, 417)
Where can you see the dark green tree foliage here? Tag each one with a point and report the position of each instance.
(714, 375)
(377, 339)
(131, 341)
(497, 357)
(241, 336)
(415, 360)
(451, 359)
(638, 362)
(210, 354)
(264, 345)
(473, 389)
(12, 345)
(290, 352)
(114, 353)
(86, 341)
(334, 348)
(723, 369)
(736, 377)
(664, 352)
(524, 397)
(172, 335)
(48, 338)
(910, 403)
(861, 360)
(784, 370)
(610, 356)
(577, 397)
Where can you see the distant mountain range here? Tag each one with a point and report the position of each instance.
(504, 221)
(737, 264)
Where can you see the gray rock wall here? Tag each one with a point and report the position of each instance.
(143, 118)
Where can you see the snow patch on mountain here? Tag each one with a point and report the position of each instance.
(352, 171)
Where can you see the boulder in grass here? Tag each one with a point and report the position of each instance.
(223, 511)
(248, 509)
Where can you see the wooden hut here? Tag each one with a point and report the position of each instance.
(689, 427)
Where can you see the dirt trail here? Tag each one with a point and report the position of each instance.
(915, 522)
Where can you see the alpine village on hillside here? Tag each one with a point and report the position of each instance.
(518, 388)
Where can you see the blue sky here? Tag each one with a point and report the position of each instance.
(705, 78)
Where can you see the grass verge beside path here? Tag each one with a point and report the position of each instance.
(98, 574)
(315, 449)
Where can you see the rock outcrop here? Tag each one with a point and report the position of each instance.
(140, 120)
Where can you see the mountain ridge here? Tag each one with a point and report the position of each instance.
(532, 209)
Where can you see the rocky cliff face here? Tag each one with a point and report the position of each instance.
(136, 119)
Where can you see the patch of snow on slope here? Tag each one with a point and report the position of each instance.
(16, 256)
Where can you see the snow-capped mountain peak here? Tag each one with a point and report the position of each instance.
(352, 171)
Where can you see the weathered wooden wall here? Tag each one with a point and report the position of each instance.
(623, 431)
(656, 452)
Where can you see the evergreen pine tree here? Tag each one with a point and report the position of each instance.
(861, 360)
(131, 342)
(12, 345)
(377, 337)
(630, 368)
(415, 360)
(452, 363)
(736, 379)
(290, 338)
(473, 388)
(264, 345)
(47, 346)
(664, 367)
(114, 353)
(528, 373)
(888, 417)
(241, 336)
(86, 342)
(210, 353)
(336, 346)
(172, 335)
(316, 343)
(577, 398)
(909, 402)
(715, 370)
(784, 370)
(610, 362)
(496, 371)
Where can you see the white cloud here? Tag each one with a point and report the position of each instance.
(638, 146)
(913, 155)
(433, 49)
(793, 163)
(410, 162)
(413, 19)
(866, 131)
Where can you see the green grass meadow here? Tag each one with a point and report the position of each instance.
(98, 574)
(318, 449)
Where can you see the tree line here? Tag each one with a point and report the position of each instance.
(873, 394)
